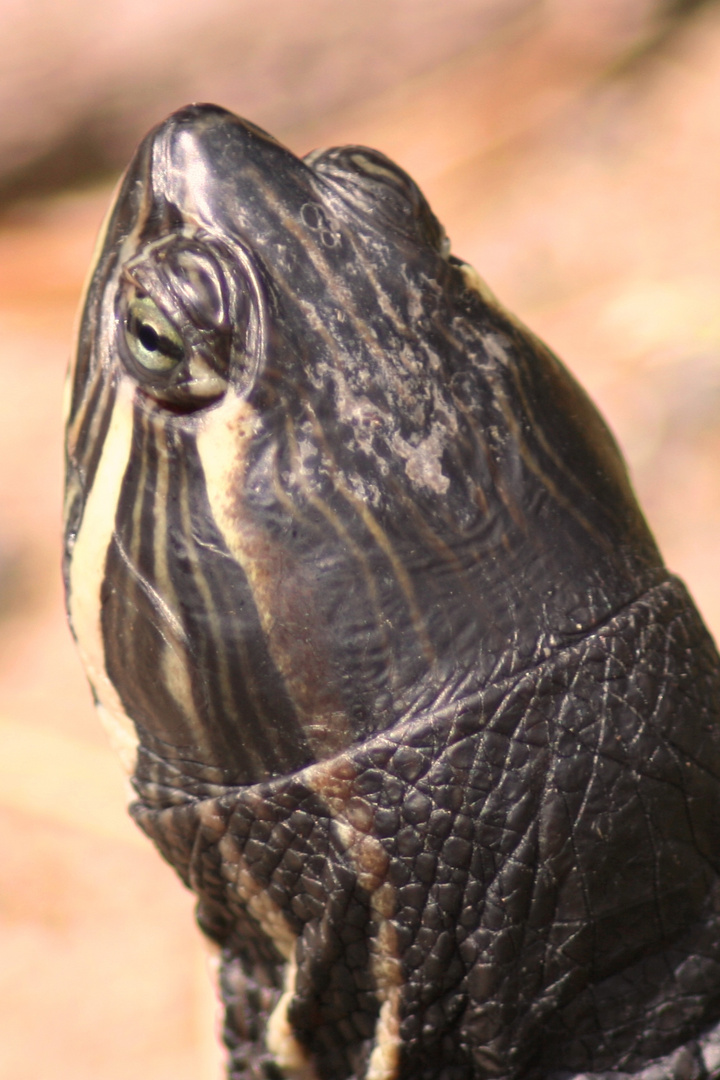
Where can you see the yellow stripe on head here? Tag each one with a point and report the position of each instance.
(87, 573)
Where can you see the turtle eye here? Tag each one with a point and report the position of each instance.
(180, 317)
(153, 341)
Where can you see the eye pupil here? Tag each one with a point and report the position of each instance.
(148, 337)
(152, 339)
(172, 324)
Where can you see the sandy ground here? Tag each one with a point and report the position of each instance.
(587, 197)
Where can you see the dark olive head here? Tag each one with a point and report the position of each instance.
(318, 481)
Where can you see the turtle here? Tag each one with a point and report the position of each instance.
(372, 616)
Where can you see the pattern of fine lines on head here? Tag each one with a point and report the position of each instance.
(173, 665)
(237, 660)
(164, 612)
(86, 442)
(300, 476)
(433, 540)
(402, 577)
(226, 625)
(313, 683)
(389, 307)
(344, 299)
(486, 459)
(86, 432)
(535, 467)
(216, 643)
(128, 574)
(144, 628)
(344, 535)
(215, 647)
(87, 365)
(423, 525)
(381, 538)
(535, 424)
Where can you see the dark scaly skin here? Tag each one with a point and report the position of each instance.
(410, 700)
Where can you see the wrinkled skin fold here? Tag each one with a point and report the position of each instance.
(369, 610)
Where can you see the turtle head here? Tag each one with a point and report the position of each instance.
(318, 481)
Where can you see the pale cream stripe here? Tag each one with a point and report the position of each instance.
(280, 1039)
(87, 572)
(174, 665)
(384, 1063)
(223, 442)
(371, 862)
(201, 584)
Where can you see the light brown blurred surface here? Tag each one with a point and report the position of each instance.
(584, 187)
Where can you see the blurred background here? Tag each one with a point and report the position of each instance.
(572, 149)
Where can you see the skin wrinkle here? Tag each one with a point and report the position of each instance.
(657, 889)
(537, 869)
(583, 884)
(642, 724)
(602, 714)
